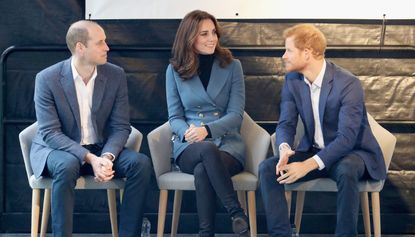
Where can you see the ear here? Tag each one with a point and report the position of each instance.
(307, 53)
(79, 47)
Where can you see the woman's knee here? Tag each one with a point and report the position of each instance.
(207, 148)
(199, 171)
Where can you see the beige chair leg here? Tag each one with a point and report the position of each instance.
(376, 213)
(162, 212)
(177, 204)
(112, 206)
(35, 212)
(121, 195)
(45, 213)
(299, 206)
(242, 200)
(252, 213)
(288, 195)
(364, 202)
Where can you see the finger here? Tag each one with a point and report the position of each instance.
(107, 178)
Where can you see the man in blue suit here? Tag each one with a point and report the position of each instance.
(337, 142)
(83, 117)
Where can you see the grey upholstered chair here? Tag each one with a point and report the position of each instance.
(257, 141)
(84, 182)
(387, 143)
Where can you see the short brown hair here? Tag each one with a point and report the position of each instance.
(185, 59)
(307, 36)
(78, 32)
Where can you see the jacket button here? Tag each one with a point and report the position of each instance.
(201, 115)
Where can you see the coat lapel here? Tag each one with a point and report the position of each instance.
(198, 90)
(308, 110)
(326, 87)
(218, 78)
(68, 86)
(99, 90)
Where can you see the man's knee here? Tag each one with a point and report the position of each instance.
(350, 168)
(63, 165)
(267, 166)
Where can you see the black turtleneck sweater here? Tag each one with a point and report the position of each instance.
(205, 68)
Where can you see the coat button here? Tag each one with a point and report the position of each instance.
(216, 113)
(201, 115)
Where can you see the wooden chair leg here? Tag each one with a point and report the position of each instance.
(121, 194)
(112, 206)
(162, 212)
(242, 200)
(299, 206)
(288, 195)
(177, 204)
(45, 213)
(252, 213)
(376, 213)
(35, 212)
(364, 202)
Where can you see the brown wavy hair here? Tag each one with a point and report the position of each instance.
(185, 59)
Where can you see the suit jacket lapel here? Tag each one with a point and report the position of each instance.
(99, 89)
(217, 80)
(326, 87)
(198, 90)
(68, 86)
(308, 110)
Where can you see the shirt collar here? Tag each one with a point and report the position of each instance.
(75, 73)
(319, 79)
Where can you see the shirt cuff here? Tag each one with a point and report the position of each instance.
(319, 162)
(109, 154)
(284, 146)
(208, 131)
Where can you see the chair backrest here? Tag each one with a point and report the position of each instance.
(385, 139)
(26, 136)
(256, 139)
(257, 143)
(160, 145)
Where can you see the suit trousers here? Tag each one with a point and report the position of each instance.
(346, 173)
(65, 168)
(212, 170)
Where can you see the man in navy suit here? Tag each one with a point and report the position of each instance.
(337, 142)
(83, 117)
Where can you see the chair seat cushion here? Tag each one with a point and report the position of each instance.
(182, 181)
(328, 185)
(84, 182)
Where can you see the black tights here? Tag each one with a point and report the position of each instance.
(213, 170)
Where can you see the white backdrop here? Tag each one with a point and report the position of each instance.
(251, 9)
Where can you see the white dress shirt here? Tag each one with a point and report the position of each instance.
(84, 94)
(315, 89)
